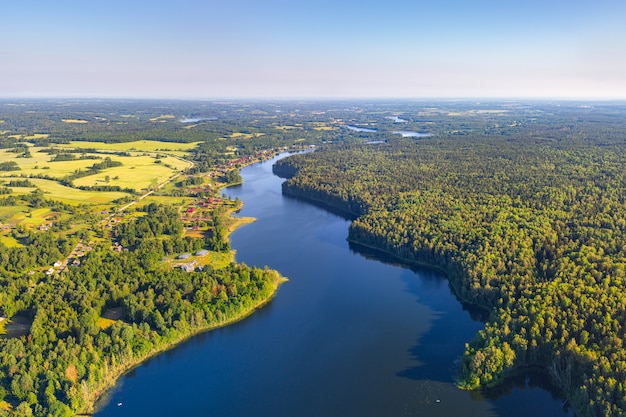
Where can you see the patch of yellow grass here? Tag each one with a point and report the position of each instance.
(37, 136)
(10, 242)
(239, 135)
(56, 191)
(105, 323)
(78, 121)
(5, 406)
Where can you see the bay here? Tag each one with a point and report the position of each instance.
(350, 334)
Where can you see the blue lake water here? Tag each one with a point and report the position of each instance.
(350, 334)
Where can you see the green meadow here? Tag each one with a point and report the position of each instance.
(56, 191)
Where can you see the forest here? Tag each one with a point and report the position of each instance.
(530, 225)
(520, 204)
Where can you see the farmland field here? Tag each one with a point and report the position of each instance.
(139, 146)
(137, 172)
(56, 191)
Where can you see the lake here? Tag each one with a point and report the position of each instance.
(361, 129)
(411, 134)
(350, 334)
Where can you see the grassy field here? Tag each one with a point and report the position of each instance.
(138, 172)
(40, 164)
(56, 191)
(139, 146)
(9, 241)
(32, 217)
(240, 135)
(7, 212)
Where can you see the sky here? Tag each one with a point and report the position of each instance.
(192, 49)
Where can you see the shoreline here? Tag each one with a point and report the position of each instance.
(97, 400)
(98, 396)
(454, 285)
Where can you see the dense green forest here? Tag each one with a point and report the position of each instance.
(531, 225)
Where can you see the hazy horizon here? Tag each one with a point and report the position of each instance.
(339, 50)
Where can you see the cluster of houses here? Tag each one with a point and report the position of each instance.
(245, 160)
(79, 251)
(192, 265)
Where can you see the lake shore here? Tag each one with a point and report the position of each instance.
(454, 282)
(97, 398)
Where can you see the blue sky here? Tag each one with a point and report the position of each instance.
(313, 49)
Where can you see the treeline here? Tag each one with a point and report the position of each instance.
(529, 226)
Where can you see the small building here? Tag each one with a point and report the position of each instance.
(188, 267)
(50, 271)
(184, 256)
(57, 264)
(202, 252)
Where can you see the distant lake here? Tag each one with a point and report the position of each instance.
(361, 129)
(411, 134)
(351, 334)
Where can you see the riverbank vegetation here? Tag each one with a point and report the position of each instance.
(530, 224)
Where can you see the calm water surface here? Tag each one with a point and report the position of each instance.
(348, 335)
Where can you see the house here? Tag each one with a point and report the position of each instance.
(57, 264)
(184, 256)
(188, 267)
(50, 271)
(202, 252)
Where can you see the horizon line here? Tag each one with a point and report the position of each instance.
(319, 98)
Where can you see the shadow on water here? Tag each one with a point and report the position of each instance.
(457, 323)
(528, 379)
(337, 212)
